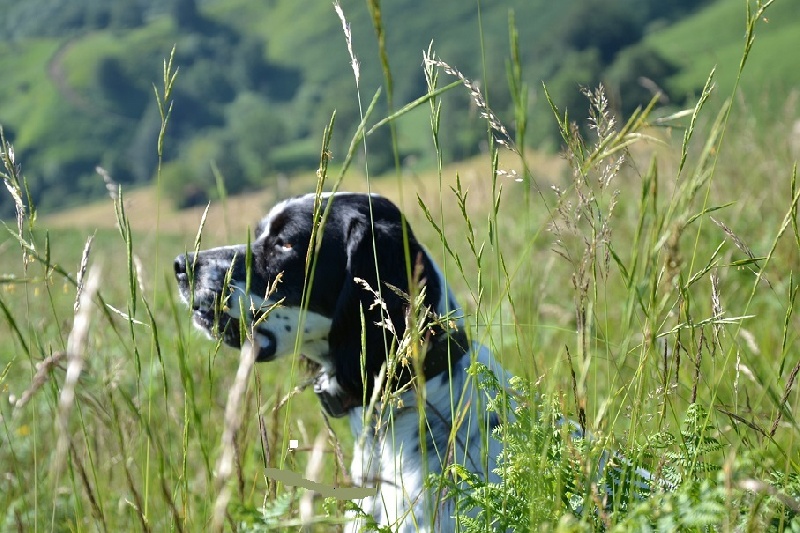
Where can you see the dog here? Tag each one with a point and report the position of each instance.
(333, 278)
(323, 306)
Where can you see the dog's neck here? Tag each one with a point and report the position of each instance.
(442, 353)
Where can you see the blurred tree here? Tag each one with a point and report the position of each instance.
(122, 95)
(339, 95)
(214, 148)
(606, 26)
(141, 150)
(380, 152)
(638, 74)
(674, 9)
(182, 186)
(185, 14)
(126, 14)
(281, 82)
(96, 16)
(208, 82)
(578, 69)
(190, 180)
(249, 66)
(255, 128)
(461, 130)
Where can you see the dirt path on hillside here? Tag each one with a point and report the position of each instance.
(55, 71)
(58, 76)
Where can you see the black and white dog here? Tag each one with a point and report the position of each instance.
(322, 305)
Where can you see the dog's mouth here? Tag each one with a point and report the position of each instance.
(206, 320)
(228, 329)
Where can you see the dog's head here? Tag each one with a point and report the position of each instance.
(287, 300)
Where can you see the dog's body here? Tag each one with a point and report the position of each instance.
(328, 313)
(392, 459)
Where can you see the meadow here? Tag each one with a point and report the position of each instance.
(640, 282)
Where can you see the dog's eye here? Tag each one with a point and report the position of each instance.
(283, 245)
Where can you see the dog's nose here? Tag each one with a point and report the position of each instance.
(181, 263)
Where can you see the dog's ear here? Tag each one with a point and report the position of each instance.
(356, 376)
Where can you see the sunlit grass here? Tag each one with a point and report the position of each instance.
(645, 286)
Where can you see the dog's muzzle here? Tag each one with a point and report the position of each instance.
(201, 288)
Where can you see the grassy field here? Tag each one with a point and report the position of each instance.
(644, 281)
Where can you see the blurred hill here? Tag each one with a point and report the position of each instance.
(258, 81)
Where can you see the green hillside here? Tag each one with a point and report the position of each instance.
(258, 81)
(714, 38)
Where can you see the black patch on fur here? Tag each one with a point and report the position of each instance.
(494, 421)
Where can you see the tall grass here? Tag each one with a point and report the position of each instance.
(647, 292)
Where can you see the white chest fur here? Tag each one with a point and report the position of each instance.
(391, 452)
